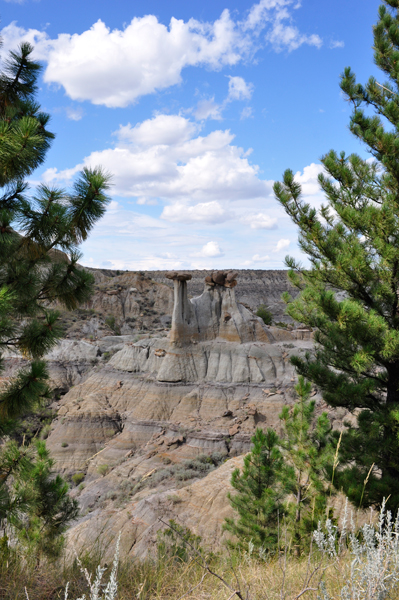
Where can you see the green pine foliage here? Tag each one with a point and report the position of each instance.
(39, 236)
(309, 452)
(352, 244)
(259, 492)
(34, 501)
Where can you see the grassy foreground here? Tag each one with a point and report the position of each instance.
(349, 563)
(168, 579)
(287, 577)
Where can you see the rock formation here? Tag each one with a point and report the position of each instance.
(219, 374)
(213, 315)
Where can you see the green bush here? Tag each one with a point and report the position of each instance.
(77, 478)
(102, 470)
(264, 313)
(64, 445)
(110, 321)
(176, 543)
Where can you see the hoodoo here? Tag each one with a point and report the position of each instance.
(213, 315)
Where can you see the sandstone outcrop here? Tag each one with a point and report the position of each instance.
(214, 314)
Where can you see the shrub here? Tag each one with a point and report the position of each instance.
(102, 470)
(110, 321)
(176, 542)
(264, 313)
(64, 445)
(77, 478)
(45, 432)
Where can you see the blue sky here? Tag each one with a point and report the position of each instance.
(196, 109)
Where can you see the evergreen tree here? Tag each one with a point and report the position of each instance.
(259, 493)
(39, 238)
(308, 450)
(35, 502)
(353, 246)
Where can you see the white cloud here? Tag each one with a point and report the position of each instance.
(74, 114)
(207, 212)
(308, 179)
(246, 113)
(337, 44)
(257, 258)
(12, 36)
(183, 169)
(210, 250)
(288, 37)
(239, 89)
(116, 67)
(159, 131)
(208, 109)
(281, 244)
(280, 35)
(260, 221)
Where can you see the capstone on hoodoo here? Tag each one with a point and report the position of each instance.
(213, 315)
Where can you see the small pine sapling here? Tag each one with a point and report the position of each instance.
(259, 492)
(309, 452)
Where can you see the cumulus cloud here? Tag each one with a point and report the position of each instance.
(208, 109)
(281, 244)
(206, 212)
(239, 89)
(308, 179)
(161, 130)
(116, 67)
(163, 158)
(12, 36)
(260, 221)
(210, 250)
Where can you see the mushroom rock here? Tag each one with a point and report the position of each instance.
(203, 318)
(176, 276)
(183, 319)
(219, 277)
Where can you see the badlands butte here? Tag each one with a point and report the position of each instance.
(160, 382)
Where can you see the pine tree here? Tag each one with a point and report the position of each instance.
(308, 450)
(39, 238)
(35, 502)
(259, 493)
(352, 245)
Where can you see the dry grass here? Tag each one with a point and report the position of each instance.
(170, 580)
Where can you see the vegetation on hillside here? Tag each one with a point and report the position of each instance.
(352, 244)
